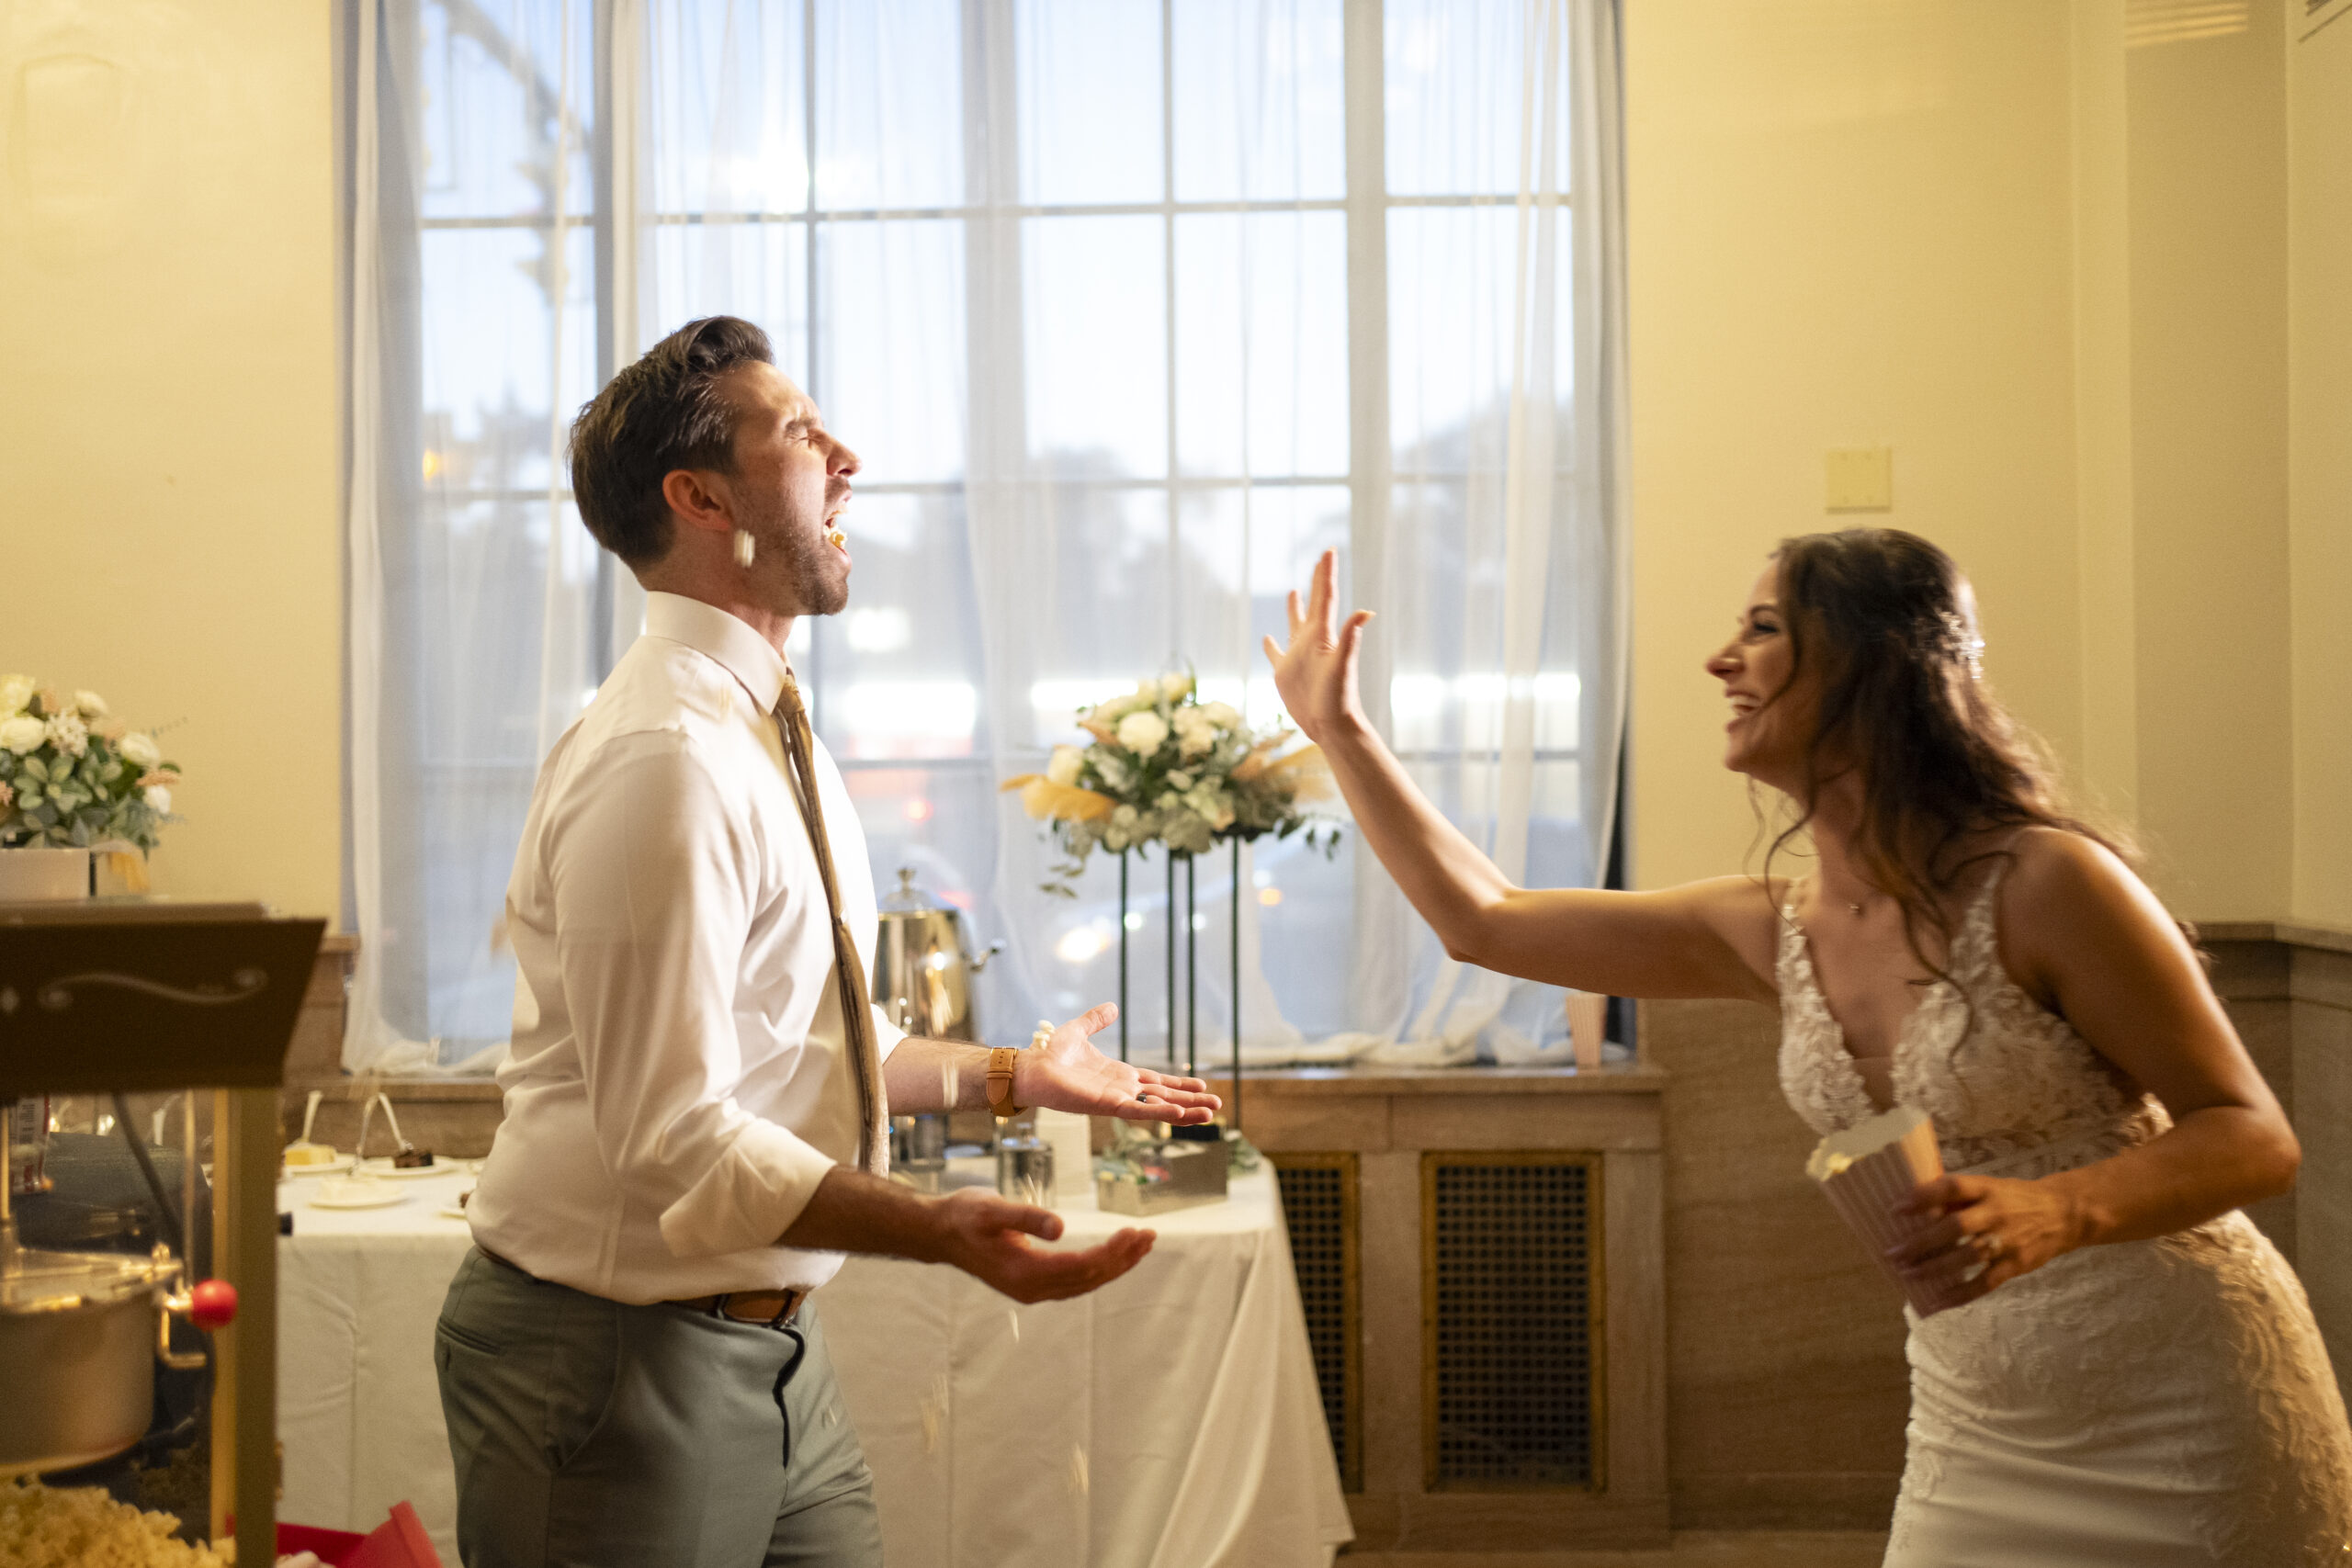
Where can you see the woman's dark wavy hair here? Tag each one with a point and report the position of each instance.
(1884, 620)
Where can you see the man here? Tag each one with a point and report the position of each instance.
(631, 1371)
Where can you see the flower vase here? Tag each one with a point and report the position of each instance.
(1182, 919)
(44, 876)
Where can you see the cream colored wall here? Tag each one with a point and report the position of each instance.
(2320, 468)
(1850, 225)
(2048, 270)
(168, 421)
(2206, 136)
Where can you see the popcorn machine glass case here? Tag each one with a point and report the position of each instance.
(104, 1225)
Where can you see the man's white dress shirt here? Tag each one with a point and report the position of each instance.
(681, 1079)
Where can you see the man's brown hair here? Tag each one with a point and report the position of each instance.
(665, 411)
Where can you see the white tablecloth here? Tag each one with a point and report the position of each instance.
(1169, 1420)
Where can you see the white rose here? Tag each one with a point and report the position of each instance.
(23, 733)
(1224, 715)
(1176, 688)
(1142, 733)
(1067, 761)
(159, 800)
(1147, 692)
(139, 748)
(1194, 733)
(69, 734)
(15, 691)
(92, 705)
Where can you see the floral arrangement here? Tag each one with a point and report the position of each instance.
(1167, 768)
(74, 776)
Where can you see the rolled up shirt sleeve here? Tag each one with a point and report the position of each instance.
(654, 881)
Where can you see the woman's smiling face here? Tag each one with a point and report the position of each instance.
(1768, 731)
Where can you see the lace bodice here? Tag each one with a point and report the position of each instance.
(2014, 1091)
(2166, 1401)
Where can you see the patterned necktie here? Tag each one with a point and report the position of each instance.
(849, 970)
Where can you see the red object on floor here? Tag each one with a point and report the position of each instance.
(398, 1542)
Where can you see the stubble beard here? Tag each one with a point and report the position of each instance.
(817, 584)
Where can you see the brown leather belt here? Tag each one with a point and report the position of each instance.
(770, 1309)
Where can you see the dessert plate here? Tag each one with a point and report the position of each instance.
(334, 1167)
(356, 1194)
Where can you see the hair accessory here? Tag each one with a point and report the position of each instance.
(746, 548)
(1962, 644)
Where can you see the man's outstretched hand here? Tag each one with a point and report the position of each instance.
(988, 1237)
(1067, 1073)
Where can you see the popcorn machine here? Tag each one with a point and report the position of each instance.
(112, 998)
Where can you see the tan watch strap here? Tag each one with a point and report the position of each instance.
(1001, 1081)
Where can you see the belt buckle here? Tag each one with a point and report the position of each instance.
(722, 1305)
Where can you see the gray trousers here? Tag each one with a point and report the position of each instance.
(587, 1434)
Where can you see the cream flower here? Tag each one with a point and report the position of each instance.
(1143, 733)
(15, 691)
(1148, 692)
(1195, 735)
(69, 734)
(139, 750)
(159, 800)
(92, 705)
(22, 733)
(1176, 688)
(1224, 715)
(1064, 767)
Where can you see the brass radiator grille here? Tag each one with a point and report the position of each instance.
(1511, 1294)
(1319, 1209)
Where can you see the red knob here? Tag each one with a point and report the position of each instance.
(213, 1304)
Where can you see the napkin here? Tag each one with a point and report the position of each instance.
(1870, 1167)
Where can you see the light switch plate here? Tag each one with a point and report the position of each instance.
(1860, 479)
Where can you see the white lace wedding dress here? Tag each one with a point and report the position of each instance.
(2139, 1405)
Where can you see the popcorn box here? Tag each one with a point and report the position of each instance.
(1870, 1167)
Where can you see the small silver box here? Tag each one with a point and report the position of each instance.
(1155, 1178)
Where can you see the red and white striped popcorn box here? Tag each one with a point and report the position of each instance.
(1870, 1167)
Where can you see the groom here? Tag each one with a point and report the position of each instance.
(631, 1366)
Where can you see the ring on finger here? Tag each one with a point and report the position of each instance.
(1990, 1244)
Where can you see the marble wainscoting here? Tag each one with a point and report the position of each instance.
(1786, 1385)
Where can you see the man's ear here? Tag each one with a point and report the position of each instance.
(697, 498)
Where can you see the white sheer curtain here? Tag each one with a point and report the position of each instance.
(1073, 276)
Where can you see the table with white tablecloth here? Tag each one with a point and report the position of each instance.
(1168, 1420)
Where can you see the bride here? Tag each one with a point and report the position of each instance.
(2141, 1380)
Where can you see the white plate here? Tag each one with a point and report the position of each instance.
(334, 1167)
(382, 1166)
(451, 1211)
(342, 1197)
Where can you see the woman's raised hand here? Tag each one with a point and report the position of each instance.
(1317, 674)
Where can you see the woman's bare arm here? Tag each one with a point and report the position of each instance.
(1703, 939)
(2094, 942)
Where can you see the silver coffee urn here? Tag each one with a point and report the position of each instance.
(924, 970)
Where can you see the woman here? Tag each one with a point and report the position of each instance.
(2141, 1381)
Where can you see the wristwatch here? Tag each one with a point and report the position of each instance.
(1001, 1081)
